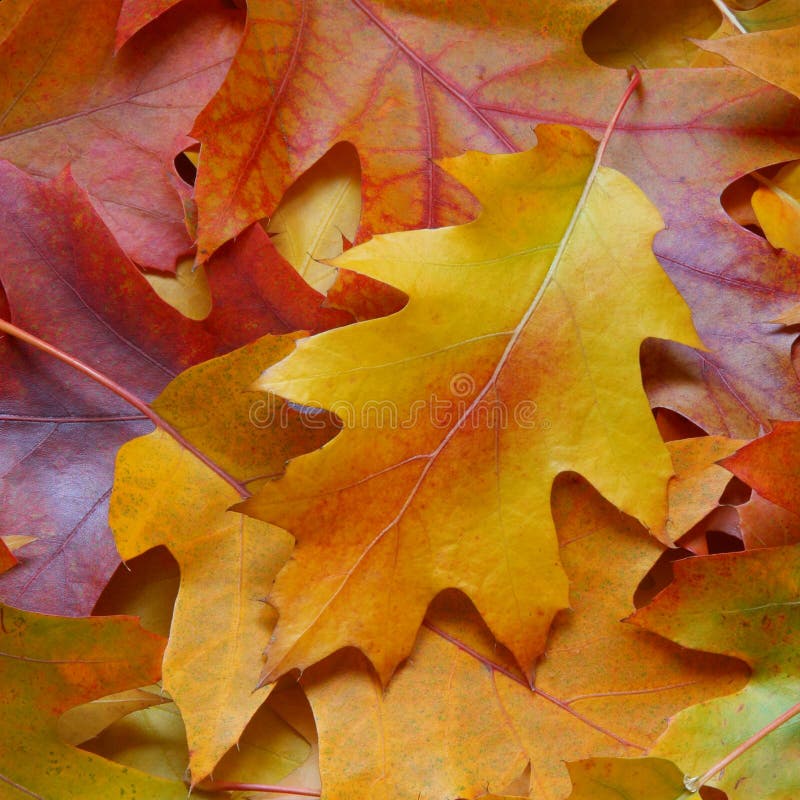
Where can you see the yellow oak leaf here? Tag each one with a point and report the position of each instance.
(154, 741)
(615, 778)
(516, 359)
(164, 495)
(628, 33)
(777, 207)
(322, 206)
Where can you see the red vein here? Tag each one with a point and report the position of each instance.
(429, 131)
(731, 280)
(434, 73)
(495, 667)
(71, 420)
(272, 110)
(128, 397)
(487, 662)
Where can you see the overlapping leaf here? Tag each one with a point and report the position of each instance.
(776, 207)
(614, 778)
(478, 400)
(602, 687)
(628, 33)
(765, 524)
(771, 465)
(50, 664)
(66, 280)
(741, 604)
(770, 55)
(154, 741)
(118, 120)
(164, 495)
(135, 14)
(319, 211)
(391, 513)
(698, 483)
(437, 82)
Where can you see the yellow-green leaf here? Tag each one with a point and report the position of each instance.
(51, 664)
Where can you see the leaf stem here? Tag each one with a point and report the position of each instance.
(694, 784)
(128, 397)
(635, 80)
(222, 786)
(729, 15)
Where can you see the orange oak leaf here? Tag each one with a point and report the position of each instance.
(698, 483)
(49, 665)
(458, 719)
(404, 83)
(118, 120)
(771, 55)
(771, 465)
(461, 409)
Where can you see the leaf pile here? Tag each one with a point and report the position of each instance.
(470, 355)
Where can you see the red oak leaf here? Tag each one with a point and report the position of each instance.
(66, 280)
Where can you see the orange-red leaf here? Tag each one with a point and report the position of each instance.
(118, 120)
(771, 465)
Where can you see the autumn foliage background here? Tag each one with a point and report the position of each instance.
(470, 353)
